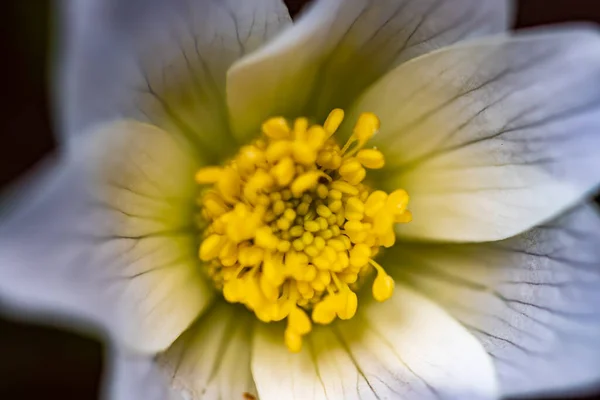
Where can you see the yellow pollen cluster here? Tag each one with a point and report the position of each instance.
(291, 230)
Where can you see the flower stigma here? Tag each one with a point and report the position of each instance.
(289, 227)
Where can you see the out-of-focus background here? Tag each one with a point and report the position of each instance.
(39, 361)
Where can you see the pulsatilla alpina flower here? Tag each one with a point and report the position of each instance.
(353, 205)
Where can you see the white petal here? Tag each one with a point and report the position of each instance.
(280, 374)
(341, 46)
(109, 235)
(212, 359)
(162, 60)
(492, 137)
(129, 376)
(533, 300)
(406, 348)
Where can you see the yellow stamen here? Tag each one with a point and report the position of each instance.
(366, 127)
(290, 229)
(347, 303)
(300, 127)
(299, 322)
(293, 340)
(383, 286)
(276, 128)
(324, 311)
(333, 121)
(211, 247)
(370, 158)
(304, 182)
(208, 175)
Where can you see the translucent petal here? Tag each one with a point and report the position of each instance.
(129, 376)
(108, 235)
(341, 46)
(492, 137)
(532, 300)
(163, 61)
(212, 359)
(404, 348)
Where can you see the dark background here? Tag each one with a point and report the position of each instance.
(38, 361)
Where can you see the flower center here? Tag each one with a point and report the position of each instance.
(290, 227)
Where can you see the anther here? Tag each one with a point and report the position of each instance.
(276, 128)
(333, 121)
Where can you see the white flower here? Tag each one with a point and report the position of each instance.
(495, 139)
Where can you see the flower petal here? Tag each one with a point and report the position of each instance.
(532, 300)
(212, 359)
(110, 236)
(492, 137)
(159, 60)
(404, 348)
(341, 46)
(131, 376)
